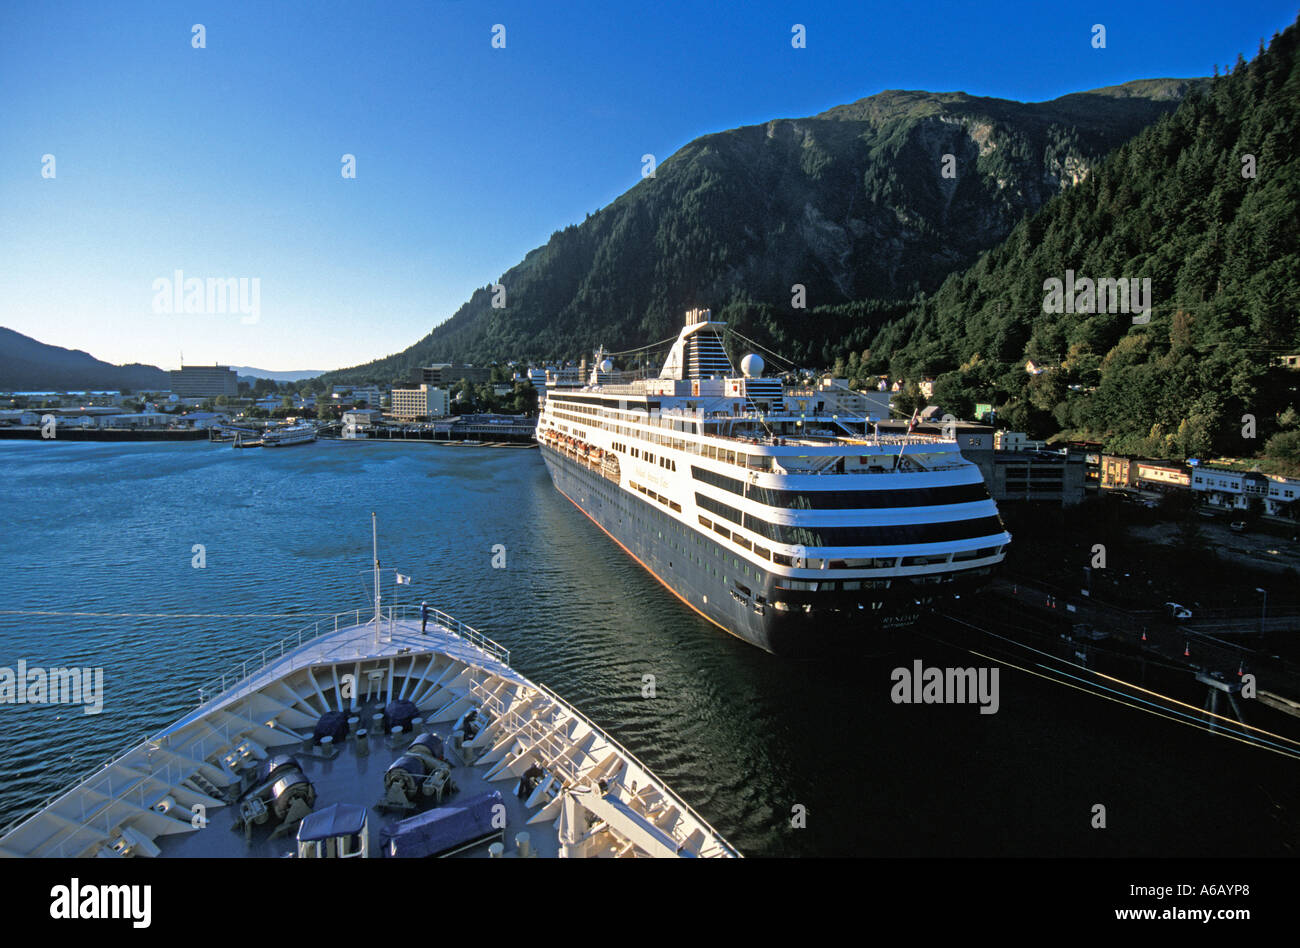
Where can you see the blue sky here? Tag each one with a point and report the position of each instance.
(225, 161)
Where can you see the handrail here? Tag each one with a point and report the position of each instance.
(452, 624)
(662, 786)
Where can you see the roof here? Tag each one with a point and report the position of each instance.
(341, 819)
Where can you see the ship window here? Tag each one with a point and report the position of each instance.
(864, 535)
(705, 521)
(741, 541)
(721, 530)
(763, 552)
(717, 480)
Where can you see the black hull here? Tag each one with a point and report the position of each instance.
(704, 572)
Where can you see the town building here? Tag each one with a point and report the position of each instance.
(138, 419)
(1271, 494)
(1055, 476)
(414, 404)
(1016, 441)
(358, 421)
(204, 381)
(447, 374)
(350, 395)
(201, 419)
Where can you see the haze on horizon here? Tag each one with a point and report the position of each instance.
(224, 162)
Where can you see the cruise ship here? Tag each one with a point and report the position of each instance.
(796, 532)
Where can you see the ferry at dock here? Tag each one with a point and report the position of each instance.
(793, 533)
(303, 433)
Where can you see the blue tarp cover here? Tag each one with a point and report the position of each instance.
(444, 828)
(341, 819)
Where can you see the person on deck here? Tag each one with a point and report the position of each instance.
(424, 617)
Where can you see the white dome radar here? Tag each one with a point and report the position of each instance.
(752, 365)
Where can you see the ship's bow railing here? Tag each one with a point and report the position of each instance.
(232, 679)
(457, 628)
(331, 624)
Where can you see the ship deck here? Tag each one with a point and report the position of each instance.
(145, 801)
(355, 775)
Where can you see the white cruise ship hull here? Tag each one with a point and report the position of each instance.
(701, 573)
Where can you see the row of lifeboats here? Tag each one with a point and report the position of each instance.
(598, 459)
(574, 446)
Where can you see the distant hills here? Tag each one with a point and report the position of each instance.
(32, 366)
(852, 204)
(248, 372)
(28, 365)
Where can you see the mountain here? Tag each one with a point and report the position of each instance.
(28, 365)
(1206, 205)
(248, 373)
(852, 204)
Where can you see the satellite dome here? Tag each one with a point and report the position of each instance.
(752, 365)
(607, 366)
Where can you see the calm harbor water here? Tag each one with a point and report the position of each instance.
(742, 736)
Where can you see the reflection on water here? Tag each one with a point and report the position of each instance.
(742, 736)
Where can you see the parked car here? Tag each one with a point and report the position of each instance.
(1237, 526)
(1178, 611)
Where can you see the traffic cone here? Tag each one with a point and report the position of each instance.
(1144, 635)
(1187, 651)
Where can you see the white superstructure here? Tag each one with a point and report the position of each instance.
(768, 510)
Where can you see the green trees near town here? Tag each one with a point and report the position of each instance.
(1205, 204)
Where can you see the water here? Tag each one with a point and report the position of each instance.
(742, 736)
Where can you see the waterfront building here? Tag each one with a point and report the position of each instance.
(1235, 490)
(363, 416)
(414, 404)
(204, 381)
(1053, 476)
(201, 419)
(139, 419)
(1016, 441)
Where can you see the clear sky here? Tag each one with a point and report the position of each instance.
(225, 161)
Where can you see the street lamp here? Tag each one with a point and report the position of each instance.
(1263, 611)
